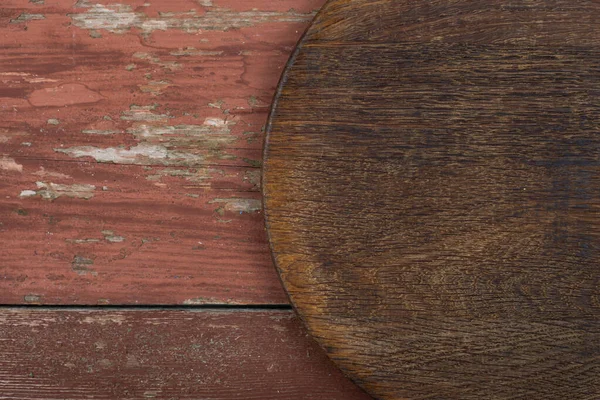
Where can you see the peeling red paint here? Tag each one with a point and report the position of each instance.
(161, 110)
(145, 241)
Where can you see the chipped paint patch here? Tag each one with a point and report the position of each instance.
(82, 241)
(17, 77)
(32, 298)
(53, 121)
(202, 300)
(40, 80)
(157, 143)
(104, 319)
(27, 193)
(120, 18)
(213, 134)
(42, 173)
(216, 122)
(201, 176)
(217, 104)
(82, 265)
(143, 153)
(239, 205)
(110, 236)
(226, 19)
(9, 164)
(155, 87)
(100, 132)
(253, 163)
(210, 137)
(252, 101)
(24, 17)
(251, 137)
(170, 65)
(191, 51)
(116, 18)
(151, 25)
(17, 74)
(142, 113)
(253, 177)
(51, 191)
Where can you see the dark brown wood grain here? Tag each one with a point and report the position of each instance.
(76, 354)
(432, 195)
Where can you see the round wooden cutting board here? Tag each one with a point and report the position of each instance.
(432, 195)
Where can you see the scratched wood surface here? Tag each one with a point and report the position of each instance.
(164, 355)
(432, 186)
(130, 155)
(130, 148)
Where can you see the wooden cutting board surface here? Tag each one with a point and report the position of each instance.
(432, 195)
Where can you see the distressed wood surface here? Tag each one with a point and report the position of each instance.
(130, 155)
(130, 148)
(431, 182)
(107, 241)
(163, 355)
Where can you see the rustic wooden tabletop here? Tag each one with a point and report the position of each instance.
(431, 185)
(133, 256)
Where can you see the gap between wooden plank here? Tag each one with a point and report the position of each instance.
(175, 307)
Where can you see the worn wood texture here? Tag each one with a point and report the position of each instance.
(130, 148)
(432, 187)
(132, 242)
(163, 355)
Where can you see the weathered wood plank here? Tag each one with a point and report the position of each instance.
(432, 195)
(143, 119)
(49, 354)
(86, 233)
(130, 84)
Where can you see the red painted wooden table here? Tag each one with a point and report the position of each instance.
(133, 257)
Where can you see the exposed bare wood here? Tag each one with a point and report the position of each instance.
(130, 148)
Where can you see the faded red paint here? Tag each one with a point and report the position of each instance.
(144, 121)
(177, 242)
(130, 149)
(164, 355)
(63, 95)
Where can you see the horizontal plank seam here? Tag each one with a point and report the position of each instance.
(150, 307)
